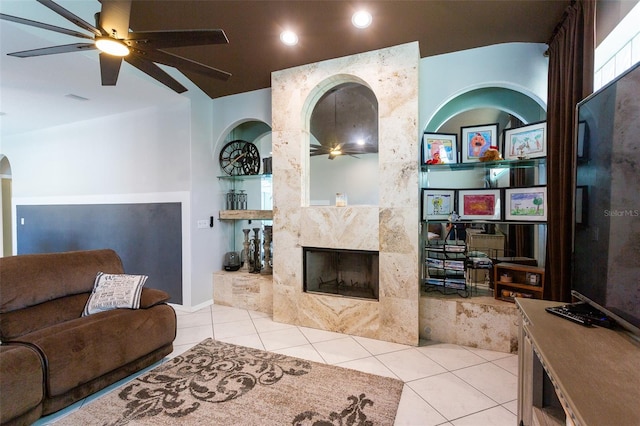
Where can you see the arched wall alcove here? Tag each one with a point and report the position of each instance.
(519, 104)
(339, 170)
(258, 190)
(346, 110)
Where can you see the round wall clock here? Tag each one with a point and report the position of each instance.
(239, 158)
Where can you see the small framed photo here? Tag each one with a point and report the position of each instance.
(437, 204)
(582, 196)
(439, 148)
(479, 204)
(476, 140)
(526, 204)
(532, 278)
(528, 141)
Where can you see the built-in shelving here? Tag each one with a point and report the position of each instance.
(243, 177)
(246, 214)
(500, 164)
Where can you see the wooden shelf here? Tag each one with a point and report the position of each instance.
(245, 214)
(518, 286)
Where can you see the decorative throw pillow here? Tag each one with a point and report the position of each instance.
(113, 291)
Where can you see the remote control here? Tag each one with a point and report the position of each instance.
(562, 312)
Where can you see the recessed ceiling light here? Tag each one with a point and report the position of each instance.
(361, 19)
(289, 38)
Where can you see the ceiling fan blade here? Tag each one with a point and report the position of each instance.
(70, 16)
(156, 72)
(184, 64)
(114, 17)
(109, 69)
(178, 38)
(65, 48)
(44, 26)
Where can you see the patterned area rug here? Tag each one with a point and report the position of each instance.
(223, 384)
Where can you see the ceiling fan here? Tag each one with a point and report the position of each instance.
(141, 49)
(334, 151)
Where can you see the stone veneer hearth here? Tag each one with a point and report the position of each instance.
(391, 228)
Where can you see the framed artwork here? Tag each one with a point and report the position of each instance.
(476, 140)
(528, 141)
(526, 204)
(532, 278)
(583, 139)
(439, 148)
(581, 206)
(437, 204)
(483, 204)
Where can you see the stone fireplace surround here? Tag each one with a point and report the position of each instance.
(390, 228)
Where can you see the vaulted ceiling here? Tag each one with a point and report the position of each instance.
(38, 88)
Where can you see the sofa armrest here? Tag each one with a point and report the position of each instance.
(152, 296)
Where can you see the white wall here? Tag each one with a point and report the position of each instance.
(140, 152)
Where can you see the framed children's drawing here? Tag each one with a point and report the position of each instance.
(526, 204)
(437, 204)
(439, 148)
(479, 204)
(526, 141)
(476, 140)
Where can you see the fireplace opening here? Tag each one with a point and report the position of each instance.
(350, 273)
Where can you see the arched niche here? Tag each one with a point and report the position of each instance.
(343, 144)
(506, 104)
(509, 108)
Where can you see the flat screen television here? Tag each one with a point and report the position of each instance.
(606, 252)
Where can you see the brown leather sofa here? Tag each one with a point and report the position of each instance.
(42, 297)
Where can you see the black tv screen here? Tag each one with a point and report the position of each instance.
(606, 263)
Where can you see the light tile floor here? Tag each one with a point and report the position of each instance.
(445, 384)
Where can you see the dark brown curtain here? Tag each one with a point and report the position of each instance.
(571, 56)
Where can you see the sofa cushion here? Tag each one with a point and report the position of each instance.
(21, 384)
(113, 291)
(30, 279)
(33, 318)
(85, 348)
(152, 296)
(24, 321)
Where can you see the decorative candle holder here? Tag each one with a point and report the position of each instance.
(257, 261)
(341, 199)
(245, 251)
(231, 200)
(242, 200)
(267, 270)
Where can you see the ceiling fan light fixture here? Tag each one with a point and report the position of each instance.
(112, 46)
(361, 19)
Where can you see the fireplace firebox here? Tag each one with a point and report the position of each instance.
(349, 273)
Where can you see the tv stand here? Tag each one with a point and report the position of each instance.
(574, 375)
